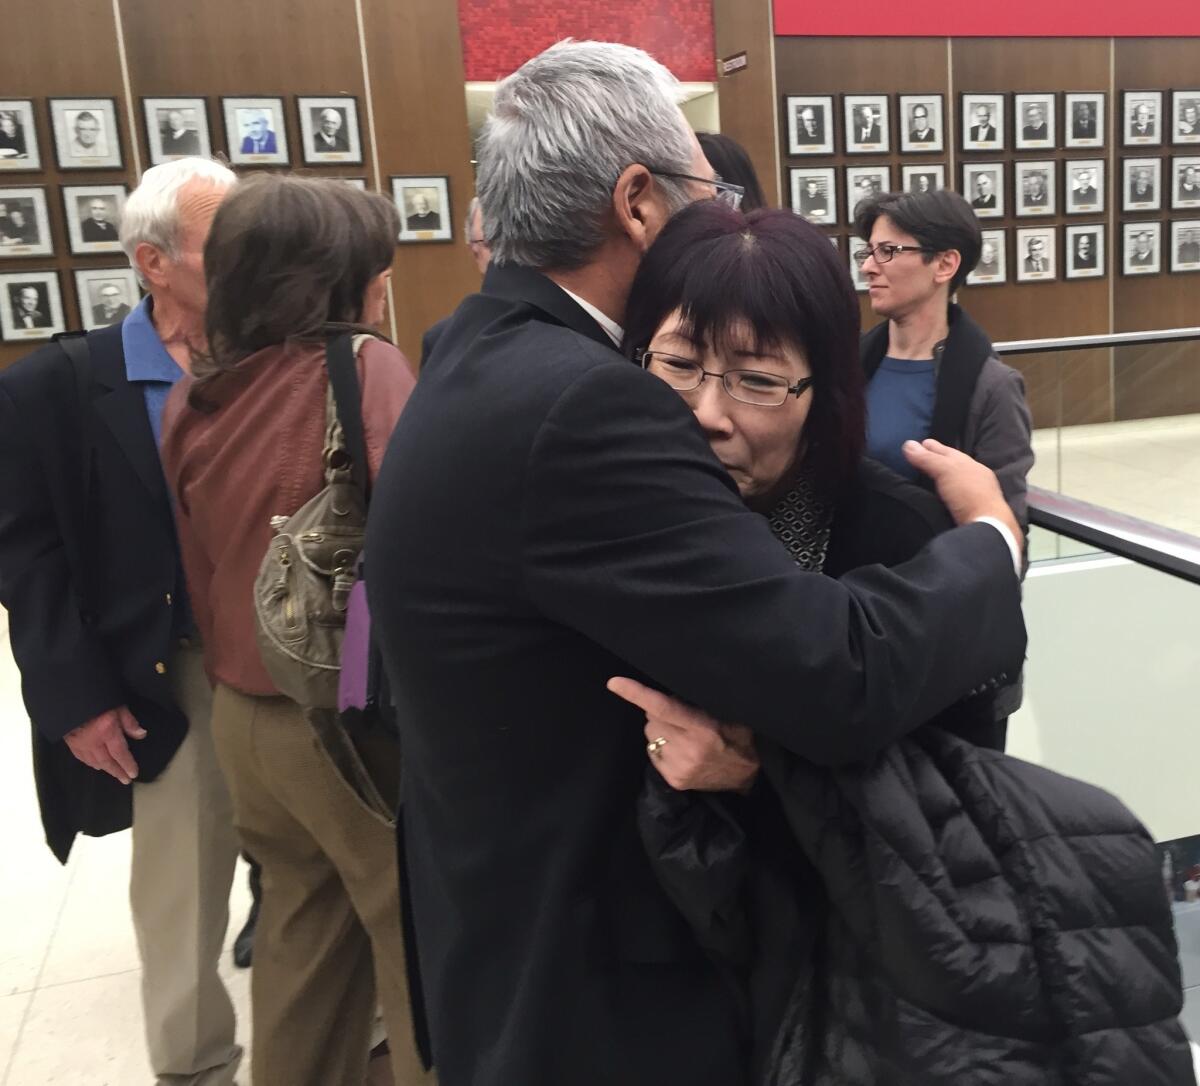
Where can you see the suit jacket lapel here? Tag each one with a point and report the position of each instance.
(519, 284)
(122, 407)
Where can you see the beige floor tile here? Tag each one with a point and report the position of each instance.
(12, 1015)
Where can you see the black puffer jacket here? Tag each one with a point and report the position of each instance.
(941, 915)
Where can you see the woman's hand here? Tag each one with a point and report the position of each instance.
(691, 750)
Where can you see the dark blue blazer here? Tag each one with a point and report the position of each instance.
(88, 572)
(551, 515)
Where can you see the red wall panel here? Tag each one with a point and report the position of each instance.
(1007, 19)
(500, 35)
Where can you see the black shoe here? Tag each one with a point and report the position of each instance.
(243, 945)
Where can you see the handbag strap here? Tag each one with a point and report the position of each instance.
(340, 361)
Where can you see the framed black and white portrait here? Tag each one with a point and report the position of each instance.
(923, 178)
(1185, 182)
(1084, 257)
(868, 124)
(86, 136)
(856, 276)
(424, 206)
(24, 222)
(1141, 252)
(1034, 188)
(94, 217)
(1083, 119)
(18, 136)
(329, 130)
(106, 295)
(1033, 122)
(1141, 118)
(255, 133)
(814, 195)
(176, 128)
(1185, 245)
(1185, 116)
(30, 306)
(921, 123)
(864, 182)
(810, 124)
(1141, 184)
(982, 122)
(983, 188)
(1084, 187)
(992, 269)
(1036, 258)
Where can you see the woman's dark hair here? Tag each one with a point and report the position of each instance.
(939, 220)
(776, 275)
(732, 163)
(289, 258)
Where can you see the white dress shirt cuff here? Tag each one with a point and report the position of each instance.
(1009, 539)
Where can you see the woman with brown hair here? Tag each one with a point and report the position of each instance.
(291, 264)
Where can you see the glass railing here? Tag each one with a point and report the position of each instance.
(1116, 424)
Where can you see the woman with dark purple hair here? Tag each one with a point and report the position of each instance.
(869, 918)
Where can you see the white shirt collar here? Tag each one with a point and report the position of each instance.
(611, 328)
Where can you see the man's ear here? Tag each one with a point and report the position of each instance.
(638, 206)
(151, 262)
(946, 265)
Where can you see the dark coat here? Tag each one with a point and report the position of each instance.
(553, 516)
(88, 581)
(937, 916)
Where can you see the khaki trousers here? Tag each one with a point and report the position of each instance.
(184, 852)
(329, 936)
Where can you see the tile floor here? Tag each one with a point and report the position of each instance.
(69, 1007)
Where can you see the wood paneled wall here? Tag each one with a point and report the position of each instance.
(1089, 386)
(409, 80)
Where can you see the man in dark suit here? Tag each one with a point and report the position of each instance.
(18, 228)
(1141, 188)
(1143, 126)
(1189, 120)
(481, 253)
(814, 201)
(1035, 123)
(423, 217)
(989, 260)
(1143, 250)
(111, 309)
(574, 525)
(1189, 184)
(100, 628)
(921, 131)
(1189, 248)
(1036, 194)
(1085, 252)
(330, 135)
(1035, 255)
(985, 196)
(178, 139)
(27, 309)
(1085, 191)
(98, 226)
(866, 125)
(810, 127)
(983, 131)
(1083, 121)
(260, 138)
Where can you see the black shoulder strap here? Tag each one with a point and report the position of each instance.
(964, 353)
(343, 379)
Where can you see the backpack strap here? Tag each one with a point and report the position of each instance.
(341, 362)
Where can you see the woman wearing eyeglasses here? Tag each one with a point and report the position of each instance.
(871, 919)
(931, 370)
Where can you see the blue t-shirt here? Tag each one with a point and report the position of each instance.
(899, 408)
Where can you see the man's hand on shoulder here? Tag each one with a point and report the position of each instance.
(967, 488)
(101, 743)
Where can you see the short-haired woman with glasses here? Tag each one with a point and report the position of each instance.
(931, 370)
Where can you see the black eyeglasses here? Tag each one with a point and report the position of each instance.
(745, 386)
(727, 192)
(885, 250)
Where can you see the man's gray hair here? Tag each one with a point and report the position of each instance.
(151, 214)
(563, 128)
(469, 223)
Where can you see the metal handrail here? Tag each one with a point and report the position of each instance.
(1082, 343)
(1152, 545)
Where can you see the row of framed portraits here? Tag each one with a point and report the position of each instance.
(87, 135)
(93, 216)
(31, 302)
(1035, 188)
(868, 122)
(1036, 258)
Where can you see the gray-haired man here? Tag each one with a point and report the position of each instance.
(553, 516)
(112, 678)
